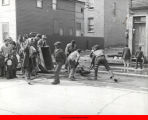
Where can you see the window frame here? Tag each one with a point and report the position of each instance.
(90, 26)
(5, 4)
(8, 32)
(54, 4)
(37, 4)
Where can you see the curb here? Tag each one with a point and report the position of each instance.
(126, 74)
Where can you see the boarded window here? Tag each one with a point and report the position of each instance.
(39, 3)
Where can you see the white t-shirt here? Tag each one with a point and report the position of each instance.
(74, 56)
(98, 53)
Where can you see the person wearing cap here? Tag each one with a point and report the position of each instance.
(60, 60)
(101, 59)
(42, 42)
(73, 61)
(70, 47)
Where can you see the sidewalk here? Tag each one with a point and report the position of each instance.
(118, 69)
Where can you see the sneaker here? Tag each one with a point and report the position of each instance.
(115, 80)
(55, 83)
(111, 77)
(30, 83)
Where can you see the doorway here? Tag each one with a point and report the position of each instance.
(139, 37)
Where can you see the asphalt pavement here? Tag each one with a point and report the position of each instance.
(82, 97)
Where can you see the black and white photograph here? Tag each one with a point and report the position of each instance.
(73, 57)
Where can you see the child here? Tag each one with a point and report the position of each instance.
(126, 55)
(101, 59)
(60, 60)
(14, 63)
(9, 66)
(139, 57)
(2, 64)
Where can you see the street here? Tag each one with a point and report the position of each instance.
(82, 97)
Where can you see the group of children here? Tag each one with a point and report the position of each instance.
(139, 56)
(8, 60)
(71, 56)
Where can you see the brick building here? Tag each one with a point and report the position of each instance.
(51, 17)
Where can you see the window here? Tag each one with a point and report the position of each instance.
(78, 29)
(39, 3)
(70, 31)
(5, 2)
(82, 10)
(91, 4)
(5, 30)
(61, 30)
(91, 24)
(54, 4)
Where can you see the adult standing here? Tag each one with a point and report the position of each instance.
(60, 60)
(126, 56)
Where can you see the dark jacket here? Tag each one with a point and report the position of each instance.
(2, 60)
(126, 55)
(59, 56)
(139, 54)
(26, 62)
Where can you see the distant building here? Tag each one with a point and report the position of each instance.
(51, 17)
(107, 19)
(137, 25)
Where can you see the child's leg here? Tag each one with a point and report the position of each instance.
(141, 64)
(136, 63)
(0, 71)
(96, 65)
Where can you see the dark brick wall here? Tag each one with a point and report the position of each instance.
(82, 42)
(33, 19)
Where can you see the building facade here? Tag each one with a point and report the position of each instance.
(137, 25)
(94, 18)
(107, 19)
(115, 15)
(7, 19)
(51, 17)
